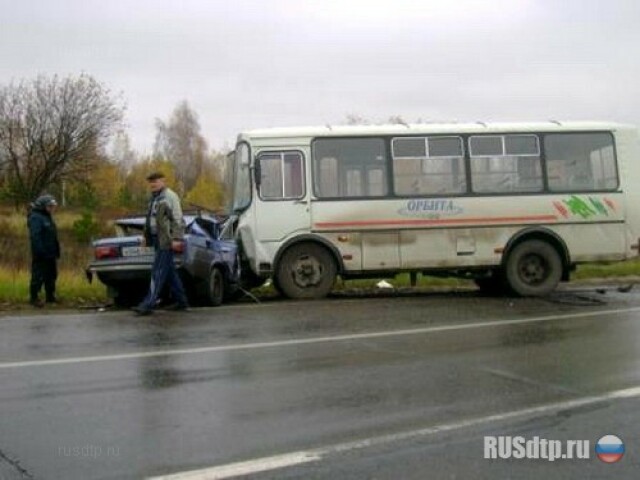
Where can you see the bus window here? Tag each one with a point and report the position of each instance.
(505, 164)
(351, 167)
(281, 175)
(327, 182)
(428, 166)
(354, 183)
(293, 175)
(581, 162)
(376, 182)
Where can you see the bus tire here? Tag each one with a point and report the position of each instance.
(306, 270)
(276, 285)
(215, 287)
(533, 269)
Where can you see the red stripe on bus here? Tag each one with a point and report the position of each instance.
(441, 221)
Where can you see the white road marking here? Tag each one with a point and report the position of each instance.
(245, 468)
(312, 340)
(528, 381)
(298, 458)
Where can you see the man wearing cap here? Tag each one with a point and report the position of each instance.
(164, 230)
(45, 249)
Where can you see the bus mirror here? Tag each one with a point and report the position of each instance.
(258, 173)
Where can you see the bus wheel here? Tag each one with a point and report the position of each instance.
(276, 285)
(533, 269)
(306, 270)
(215, 288)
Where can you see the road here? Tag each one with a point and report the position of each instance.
(404, 387)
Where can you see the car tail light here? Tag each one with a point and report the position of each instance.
(177, 246)
(106, 252)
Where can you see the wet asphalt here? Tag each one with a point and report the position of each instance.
(385, 387)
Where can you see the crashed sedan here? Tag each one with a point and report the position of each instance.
(207, 261)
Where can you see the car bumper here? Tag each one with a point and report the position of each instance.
(113, 272)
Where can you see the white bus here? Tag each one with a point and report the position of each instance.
(514, 206)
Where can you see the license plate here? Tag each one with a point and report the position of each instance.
(137, 251)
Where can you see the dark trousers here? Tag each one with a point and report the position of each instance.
(163, 271)
(44, 271)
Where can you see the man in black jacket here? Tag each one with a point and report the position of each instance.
(45, 249)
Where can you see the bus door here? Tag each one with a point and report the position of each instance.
(281, 206)
(351, 183)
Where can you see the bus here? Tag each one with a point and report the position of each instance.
(513, 206)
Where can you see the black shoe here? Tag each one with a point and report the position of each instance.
(141, 311)
(178, 307)
(52, 300)
(36, 303)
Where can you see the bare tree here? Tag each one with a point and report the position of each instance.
(180, 142)
(51, 128)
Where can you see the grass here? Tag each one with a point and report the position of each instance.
(72, 289)
(17, 221)
(14, 243)
(618, 269)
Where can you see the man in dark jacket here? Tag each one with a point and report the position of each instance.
(45, 249)
(164, 230)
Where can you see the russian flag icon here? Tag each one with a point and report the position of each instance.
(610, 449)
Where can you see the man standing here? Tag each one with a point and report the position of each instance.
(164, 230)
(45, 249)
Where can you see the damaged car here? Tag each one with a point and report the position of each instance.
(207, 261)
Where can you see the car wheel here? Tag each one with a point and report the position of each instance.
(215, 290)
(533, 269)
(306, 270)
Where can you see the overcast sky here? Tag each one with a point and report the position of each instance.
(259, 63)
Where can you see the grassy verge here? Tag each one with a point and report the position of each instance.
(620, 269)
(72, 289)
